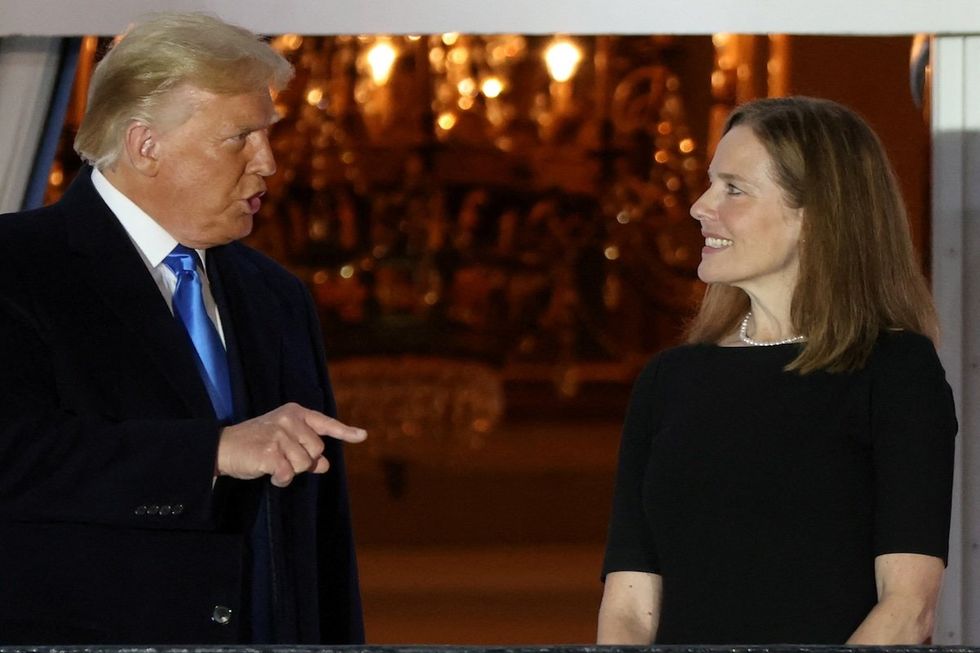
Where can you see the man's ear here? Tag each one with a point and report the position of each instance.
(141, 148)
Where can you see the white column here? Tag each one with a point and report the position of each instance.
(28, 67)
(956, 286)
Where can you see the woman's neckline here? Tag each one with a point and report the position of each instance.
(739, 346)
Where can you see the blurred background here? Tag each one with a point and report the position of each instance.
(495, 231)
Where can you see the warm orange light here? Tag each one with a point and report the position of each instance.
(718, 80)
(466, 87)
(287, 42)
(492, 87)
(313, 96)
(446, 121)
(459, 56)
(381, 58)
(562, 58)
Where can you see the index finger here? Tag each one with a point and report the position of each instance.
(330, 427)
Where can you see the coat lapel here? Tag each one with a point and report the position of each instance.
(109, 264)
(253, 311)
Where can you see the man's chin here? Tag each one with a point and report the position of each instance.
(242, 228)
(232, 230)
(246, 227)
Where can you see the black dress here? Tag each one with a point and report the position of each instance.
(761, 497)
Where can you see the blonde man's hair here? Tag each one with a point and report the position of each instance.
(164, 52)
(858, 272)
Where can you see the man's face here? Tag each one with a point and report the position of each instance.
(212, 164)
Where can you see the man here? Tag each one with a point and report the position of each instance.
(163, 389)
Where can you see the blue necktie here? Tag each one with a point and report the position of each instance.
(188, 303)
(212, 365)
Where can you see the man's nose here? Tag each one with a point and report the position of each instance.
(263, 162)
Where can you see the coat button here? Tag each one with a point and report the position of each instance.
(221, 615)
(140, 511)
(164, 510)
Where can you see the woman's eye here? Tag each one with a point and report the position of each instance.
(732, 190)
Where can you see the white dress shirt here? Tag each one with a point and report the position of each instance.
(153, 243)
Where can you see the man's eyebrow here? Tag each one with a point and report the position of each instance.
(254, 127)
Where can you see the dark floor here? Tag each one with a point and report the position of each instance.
(493, 595)
(500, 545)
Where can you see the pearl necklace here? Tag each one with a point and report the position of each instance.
(744, 336)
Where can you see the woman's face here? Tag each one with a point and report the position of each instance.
(751, 236)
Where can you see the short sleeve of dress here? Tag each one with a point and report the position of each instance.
(630, 545)
(913, 423)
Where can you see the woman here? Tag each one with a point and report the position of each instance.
(786, 475)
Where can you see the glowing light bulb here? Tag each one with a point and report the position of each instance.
(381, 57)
(314, 95)
(562, 58)
(492, 87)
(446, 121)
(466, 86)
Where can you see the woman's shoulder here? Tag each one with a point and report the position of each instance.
(902, 342)
(899, 352)
(680, 354)
(668, 361)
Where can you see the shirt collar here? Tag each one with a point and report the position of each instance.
(152, 240)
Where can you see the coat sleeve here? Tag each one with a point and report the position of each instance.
(341, 620)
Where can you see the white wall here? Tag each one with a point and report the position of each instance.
(956, 287)
(61, 17)
(28, 66)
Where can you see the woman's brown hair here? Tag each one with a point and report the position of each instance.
(858, 272)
